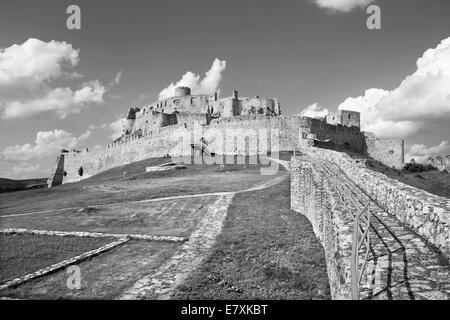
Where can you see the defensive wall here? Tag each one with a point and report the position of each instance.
(390, 152)
(426, 214)
(313, 195)
(261, 134)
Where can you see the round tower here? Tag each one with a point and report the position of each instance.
(182, 91)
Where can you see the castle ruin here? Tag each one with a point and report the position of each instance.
(153, 131)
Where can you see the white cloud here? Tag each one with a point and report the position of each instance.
(421, 153)
(208, 84)
(27, 72)
(421, 100)
(314, 111)
(47, 143)
(26, 66)
(62, 101)
(342, 5)
(25, 168)
(116, 127)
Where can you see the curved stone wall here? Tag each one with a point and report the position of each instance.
(425, 213)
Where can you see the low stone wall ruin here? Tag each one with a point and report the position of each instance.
(426, 214)
(261, 133)
(312, 194)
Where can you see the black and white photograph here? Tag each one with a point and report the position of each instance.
(224, 156)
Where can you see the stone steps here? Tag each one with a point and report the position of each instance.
(401, 265)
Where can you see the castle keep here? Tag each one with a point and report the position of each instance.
(185, 109)
(154, 131)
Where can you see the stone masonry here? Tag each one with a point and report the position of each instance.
(425, 213)
(229, 126)
(400, 265)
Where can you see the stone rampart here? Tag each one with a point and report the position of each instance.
(426, 214)
(312, 194)
(254, 134)
(57, 175)
(389, 152)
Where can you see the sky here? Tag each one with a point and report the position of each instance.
(62, 88)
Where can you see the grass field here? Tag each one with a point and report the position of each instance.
(432, 181)
(21, 254)
(102, 277)
(10, 185)
(265, 251)
(169, 218)
(130, 183)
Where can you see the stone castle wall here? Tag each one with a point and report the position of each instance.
(313, 195)
(425, 213)
(246, 134)
(347, 137)
(152, 144)
(389, 152)
(57, 176)
(258, 131)
(199, 108)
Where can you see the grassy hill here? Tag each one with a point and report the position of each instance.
(432, 181)
(9, 185)
(131, 182)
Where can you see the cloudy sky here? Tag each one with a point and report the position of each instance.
(68, 88)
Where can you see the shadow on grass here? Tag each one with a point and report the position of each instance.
(265, 251)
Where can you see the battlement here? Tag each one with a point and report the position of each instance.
(345, 118)
(184, 108)
(154, 131)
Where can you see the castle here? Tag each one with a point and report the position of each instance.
(153, 131)
(185, 108)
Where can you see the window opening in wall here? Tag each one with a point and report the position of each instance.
(80, 171)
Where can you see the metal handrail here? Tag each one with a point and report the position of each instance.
(357, 243)
(361, 233)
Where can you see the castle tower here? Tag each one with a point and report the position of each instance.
(277, 108)
(349, 118)
(235, 103)
(182, 91)
(129, 123)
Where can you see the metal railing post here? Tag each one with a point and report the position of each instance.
(355, 262)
